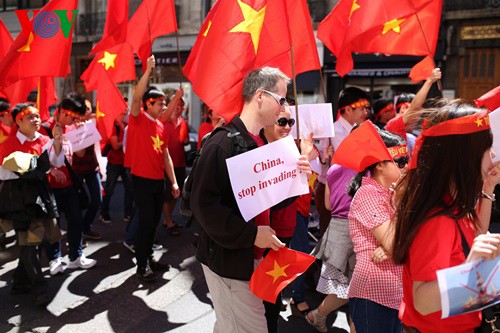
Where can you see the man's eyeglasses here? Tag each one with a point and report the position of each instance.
(282, 122)
(280, 100)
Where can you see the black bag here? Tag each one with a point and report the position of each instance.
(239, 146)
(491, 315)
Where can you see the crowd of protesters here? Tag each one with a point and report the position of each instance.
(385, 230)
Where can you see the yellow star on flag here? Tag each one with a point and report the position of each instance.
(252, 24)
(108, 60)
(3, 137)
(278, 271)
(157, 143)
(354, 7)
(208, 28)
(479, 122)
(98, 112)
(26, 47)
(393, 25)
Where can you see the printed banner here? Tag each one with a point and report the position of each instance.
(314, 118)
(263, 177)
(469, 287)
(83, 136)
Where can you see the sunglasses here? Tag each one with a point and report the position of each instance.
(402, 161)
(280, 100)
(282, 122)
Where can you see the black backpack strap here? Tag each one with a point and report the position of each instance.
(48, 130)
(465, 245)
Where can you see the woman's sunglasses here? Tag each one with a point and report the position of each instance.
(402, 161)
(283, 121)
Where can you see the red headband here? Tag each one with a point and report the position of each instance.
(388, 107)
(29, 110)
(153, 100)
(358, 104)
(400, 105)
(72, 114)
(398, 151)
(458, 126)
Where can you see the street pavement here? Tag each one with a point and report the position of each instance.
(109, 298)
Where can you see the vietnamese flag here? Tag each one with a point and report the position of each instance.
(18, 92)
(241, 35)
(46, 96)
(152, 19)
(490, 100)
(380, 26)
(115, 29)
(110, 104)
(117, 61)
(361, 148)
(5, 39)
(278, 270)
(33, 56)
(422, 70)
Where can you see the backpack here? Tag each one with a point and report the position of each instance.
(240, 145)
(107, 148)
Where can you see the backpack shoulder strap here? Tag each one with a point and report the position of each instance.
(48, 130)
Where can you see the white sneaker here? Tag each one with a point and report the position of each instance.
(56, 266)
(82, 262)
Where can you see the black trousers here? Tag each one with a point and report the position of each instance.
(28, 271)
(149, 197)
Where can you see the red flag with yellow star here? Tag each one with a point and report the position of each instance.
(117, 61)
(422, 70)
(278, 270)
(109, 105)
(361, 148)
(34, 56)
(380, 26)
(153, 18)
(46, 96)
(5, 39)
(241, 35)
(18, 92)
(115, 29)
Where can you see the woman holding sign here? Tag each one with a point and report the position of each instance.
(442, 202)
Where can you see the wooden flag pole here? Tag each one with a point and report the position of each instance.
(178, 56)
(440, 86)
(322, 82)
(59, 108)
(294, 80)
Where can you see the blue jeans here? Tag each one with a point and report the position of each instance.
(68, 202)
(113, 171)
(369, 316)
(300, 242)
(93, 182)
(132, 229)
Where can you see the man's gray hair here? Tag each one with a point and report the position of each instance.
(262, 78)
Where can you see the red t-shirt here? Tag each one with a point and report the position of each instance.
(4, 132)
(13, 144)
(283, 221)
(68, 152)
(177, 134)
(397, 126)
(116, 156)
(204, 129)
(149, 142)
(437, 245)
(129, 145)
(264, 217)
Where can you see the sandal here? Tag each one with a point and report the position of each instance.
(173, 226)
(295, 310)
(172, 231)
(318, 321)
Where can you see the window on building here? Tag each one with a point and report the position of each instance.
(22, 4)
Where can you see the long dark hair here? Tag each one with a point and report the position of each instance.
(448, 165)
(390, 140)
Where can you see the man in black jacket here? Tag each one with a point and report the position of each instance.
(226, 245)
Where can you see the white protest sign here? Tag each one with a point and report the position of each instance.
(314, 118)
(495, 130)
(263, 177)
(83, 136)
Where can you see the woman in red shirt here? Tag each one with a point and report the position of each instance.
(212, 121)
(450, 172)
